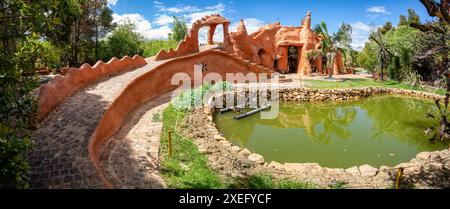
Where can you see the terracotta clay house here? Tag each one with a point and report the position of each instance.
(275, 47)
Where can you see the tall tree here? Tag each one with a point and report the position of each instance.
(384, 54)
(439, 10)
(343, 38)
(22, 22)
(179, 28)
(344, 35)
(92, 25)
(413, 17)
(386, 27)
(403, 20)
(102, 21)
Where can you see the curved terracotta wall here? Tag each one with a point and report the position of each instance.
(61, 88)
(152, 84)
(190, 43)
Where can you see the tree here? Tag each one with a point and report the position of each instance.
(343, 38)
(122, 41)
(102, 20)
(384, 54)
(386, 27)
(328, 47)
(344, 35)
(91, 25)
(22, 24)
(403, 20)
(179, 28)
(413, 17)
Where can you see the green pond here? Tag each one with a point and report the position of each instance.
(379, 130)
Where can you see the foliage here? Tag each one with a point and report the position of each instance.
(152, 47)
(122, 41)
(343, 38)
(92, 25)
(338, 185)
(49, 55)
(267, 181)
(329, 46)
(187, 169)
(442, 132)
(179, 28)
(21, 22)
(195, 97)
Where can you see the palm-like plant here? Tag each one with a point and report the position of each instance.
(384, 54)
(329, 47)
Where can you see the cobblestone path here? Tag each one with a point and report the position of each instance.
(60, 158)
(130, 159)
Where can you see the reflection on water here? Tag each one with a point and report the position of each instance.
(379, 130)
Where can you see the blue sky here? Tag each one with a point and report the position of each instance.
(153, 17)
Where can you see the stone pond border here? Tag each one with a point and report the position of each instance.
(437, 158)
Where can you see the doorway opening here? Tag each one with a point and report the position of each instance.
(292, 59)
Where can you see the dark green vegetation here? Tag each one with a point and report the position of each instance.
(51, 35)
(379, 130)
(411, 52)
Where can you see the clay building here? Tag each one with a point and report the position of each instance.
(275, 47)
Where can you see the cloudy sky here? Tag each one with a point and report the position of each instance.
(153, 18)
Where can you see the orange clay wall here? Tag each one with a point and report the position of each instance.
(152, 84)
(190, 43)
(53, 94)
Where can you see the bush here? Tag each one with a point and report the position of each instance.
(17, 108)
(152, 47)
(122, 41)
(49, 56)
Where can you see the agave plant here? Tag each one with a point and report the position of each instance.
(328, 47)
(443, 130)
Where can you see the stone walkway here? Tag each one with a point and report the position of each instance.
(130, 159)
(60, 158)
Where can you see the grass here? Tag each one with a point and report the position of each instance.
(152, 47)
(338, 185)
(355, 83)
(187, 168)
(156, 117)
(266, 181)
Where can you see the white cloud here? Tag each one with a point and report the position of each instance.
(252, 25)
(160, 25)
(112, 2)
(163, 20)
(360, 34)
(143, 26)
(378, 10)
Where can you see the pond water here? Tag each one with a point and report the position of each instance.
(379, 130)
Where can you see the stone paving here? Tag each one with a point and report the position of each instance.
(60, 158)
(130, 159)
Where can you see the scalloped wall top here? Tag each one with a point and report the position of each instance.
(53, 94)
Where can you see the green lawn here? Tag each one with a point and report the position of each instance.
(355, 83)
(187, 168)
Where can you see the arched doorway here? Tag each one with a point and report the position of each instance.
(292, 59)
(263, 57)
